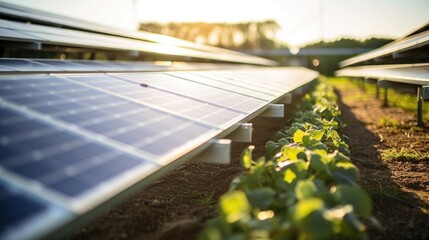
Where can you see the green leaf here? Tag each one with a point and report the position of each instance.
(318, 164)
(291, 152)
(316, 227)
(305, 207)
(295, 170)
(234, 206)
(261, 198)
(317, 134)
(305, 189)
(246, 157)
(345, 172)
(283, 141)
(289, 176)
(271, 148)
(298, 135)
(357, 197)
(280, 135)
(291, 131)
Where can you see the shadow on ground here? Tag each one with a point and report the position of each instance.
(400, 212)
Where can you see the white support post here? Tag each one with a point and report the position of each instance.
(242, 134)
(274, 110)
(219, 152)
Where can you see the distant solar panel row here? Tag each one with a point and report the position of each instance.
(401, 45)
(69, 142)
(416, 74)
(40, 34)
(50, 19)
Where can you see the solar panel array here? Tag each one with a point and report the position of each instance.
(71, 142)
(51, 19)
(77, 135)
(404, 62)
(44, 30)
(416, 74)
(411, 48)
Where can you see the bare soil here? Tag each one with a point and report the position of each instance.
(399, 185)
(178, 205)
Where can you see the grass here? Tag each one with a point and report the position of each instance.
(393, 154)
(406, 101)
(206, 199)
(387, 122)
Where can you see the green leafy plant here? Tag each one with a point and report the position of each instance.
(305, 187)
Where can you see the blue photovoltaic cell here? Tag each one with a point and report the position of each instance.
(100, 66)
(58, 160)
(223, 85)
(4, 69)
(64, 65)
(284, 79)
(15, 207)
(241, 77)
(197, 110)
(197, 91)
(24, 65)
(99, 112)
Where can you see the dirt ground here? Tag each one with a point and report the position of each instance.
(178, 205)
(398, 183)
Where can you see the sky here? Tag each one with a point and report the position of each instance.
(301, 21)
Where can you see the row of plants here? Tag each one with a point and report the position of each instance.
(305, 187)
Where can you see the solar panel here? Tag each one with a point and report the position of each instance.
(401, 45)
(22, 65)
(198, 91)
(31, 209)
(11, 215)
(243, 79)
(229, 86)
(70, 142)
(417, 74)
(64, 65)
(75, 38)
(174, 103)
(92, 110)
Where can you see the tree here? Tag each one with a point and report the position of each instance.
(248, 35)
